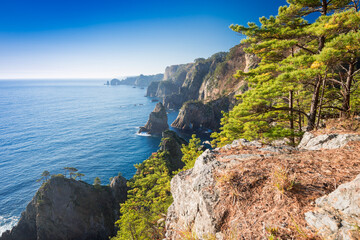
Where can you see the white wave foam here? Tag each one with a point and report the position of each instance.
(143, 134)
(6, 223)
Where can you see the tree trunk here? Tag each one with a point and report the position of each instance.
(321, 103)
(314, 105)
(347, 91)
(291, 112)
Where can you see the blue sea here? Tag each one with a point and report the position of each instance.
(49, 125)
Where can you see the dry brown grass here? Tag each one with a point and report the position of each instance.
(340, 125)
(252, 204)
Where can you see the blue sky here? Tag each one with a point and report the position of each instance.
(112, 38)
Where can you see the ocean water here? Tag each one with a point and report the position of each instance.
(49, 125)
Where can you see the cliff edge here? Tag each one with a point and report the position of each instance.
(248, 190)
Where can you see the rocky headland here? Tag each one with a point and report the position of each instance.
(65, 208)
(140, 81)
(158, 121)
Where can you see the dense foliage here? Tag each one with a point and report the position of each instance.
(190, 152)
(308, 71)
(144, 212)
(142, 215)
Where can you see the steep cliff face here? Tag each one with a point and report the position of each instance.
(199, 115)
(205, 80)
(221, 81)
(208, 79)
(152, 89)
(157, 122)
(68, 209)
(247, 190)
(191, 77)
(177, 73)
(166, 88)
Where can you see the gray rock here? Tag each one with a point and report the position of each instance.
(157, 122)
(243, 142)
(195, 198)
(337, 215)
(67, 209)
(326, 141)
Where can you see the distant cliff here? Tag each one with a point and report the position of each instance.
(140, 81)
(209, 82)
(205, 79)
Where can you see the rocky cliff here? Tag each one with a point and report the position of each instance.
(140, 81)
(204, 80)
(68, 209)
(199, 115)
(157, 122)
(247, 190)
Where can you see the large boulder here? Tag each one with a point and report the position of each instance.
(158, 121)
(67, 209)
(337, 215)
(326, 141)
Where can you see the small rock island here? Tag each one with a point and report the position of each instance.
(158, 121)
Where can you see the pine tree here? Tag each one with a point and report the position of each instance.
(299, 59)
(143, 213)
(97, 182)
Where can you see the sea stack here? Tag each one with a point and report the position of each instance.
(158, 121)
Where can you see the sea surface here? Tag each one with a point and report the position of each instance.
(49, 125)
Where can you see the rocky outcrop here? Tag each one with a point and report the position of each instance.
(67, 209)
(326, 141)
(197, 115)
(194, 199)
(337, 215)
(157, 122)
(172, 144)
(233, 193)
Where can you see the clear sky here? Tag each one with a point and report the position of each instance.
(112, 38)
